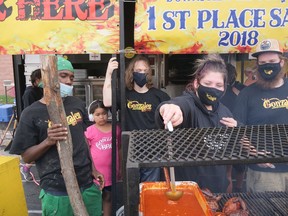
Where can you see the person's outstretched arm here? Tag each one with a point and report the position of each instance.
(107, 88)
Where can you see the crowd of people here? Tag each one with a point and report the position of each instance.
(213, 98)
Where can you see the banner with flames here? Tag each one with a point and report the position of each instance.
(206, 26)
(57, 26)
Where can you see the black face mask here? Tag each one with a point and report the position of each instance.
(139, 78)
(269, 71)
(209, 96)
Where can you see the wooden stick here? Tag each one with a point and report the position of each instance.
(57, 115)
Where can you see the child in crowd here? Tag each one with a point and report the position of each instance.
(99, 137)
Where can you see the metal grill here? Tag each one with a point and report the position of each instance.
(201, 146)
(207, 146)
(261, 204)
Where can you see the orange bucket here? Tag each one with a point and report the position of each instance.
(154, 202)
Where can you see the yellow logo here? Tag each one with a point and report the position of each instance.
(275, 103)
(135, 105)
(72, 119)
(269, 72)
(211, 98)
(129, 52)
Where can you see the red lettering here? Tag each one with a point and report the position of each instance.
(21, 10)
(4, 11)
(24, 10)
(70, 4)
(52, 10)
(61, 10)
(95, 10)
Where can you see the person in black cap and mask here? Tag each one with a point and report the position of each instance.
(199, 106)
(141, 101)
(265, 102)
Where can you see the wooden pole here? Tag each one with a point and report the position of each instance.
(57, 115)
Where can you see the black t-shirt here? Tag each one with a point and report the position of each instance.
(32, 130)
(140, 108)
(258, 106)
(239, 86)
(229, 98)
(31, 95)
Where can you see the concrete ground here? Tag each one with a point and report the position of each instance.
(31, 190)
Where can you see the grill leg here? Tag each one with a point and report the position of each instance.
(132, 194)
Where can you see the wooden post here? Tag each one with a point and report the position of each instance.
(57, 115)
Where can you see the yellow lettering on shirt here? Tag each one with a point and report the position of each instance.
(49, 123)
(72, 119)
(275, 103)
(135, 105)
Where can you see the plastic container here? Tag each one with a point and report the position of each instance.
(153, 200)
(6, 111)
(11, 190)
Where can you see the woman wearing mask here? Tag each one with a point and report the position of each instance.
(199, 106)
(141, 101)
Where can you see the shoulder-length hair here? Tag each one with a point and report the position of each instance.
(130, 70)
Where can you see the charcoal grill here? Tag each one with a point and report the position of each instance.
(199, 146)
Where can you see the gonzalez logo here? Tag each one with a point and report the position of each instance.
(210, 97)
(275, 103)
(72, 119)
(135, 105)
(268, 72)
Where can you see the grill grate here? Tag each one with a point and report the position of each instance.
(261, 204)
(201, 146)
(206, 146)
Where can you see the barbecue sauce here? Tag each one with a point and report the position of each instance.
(153, 200)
